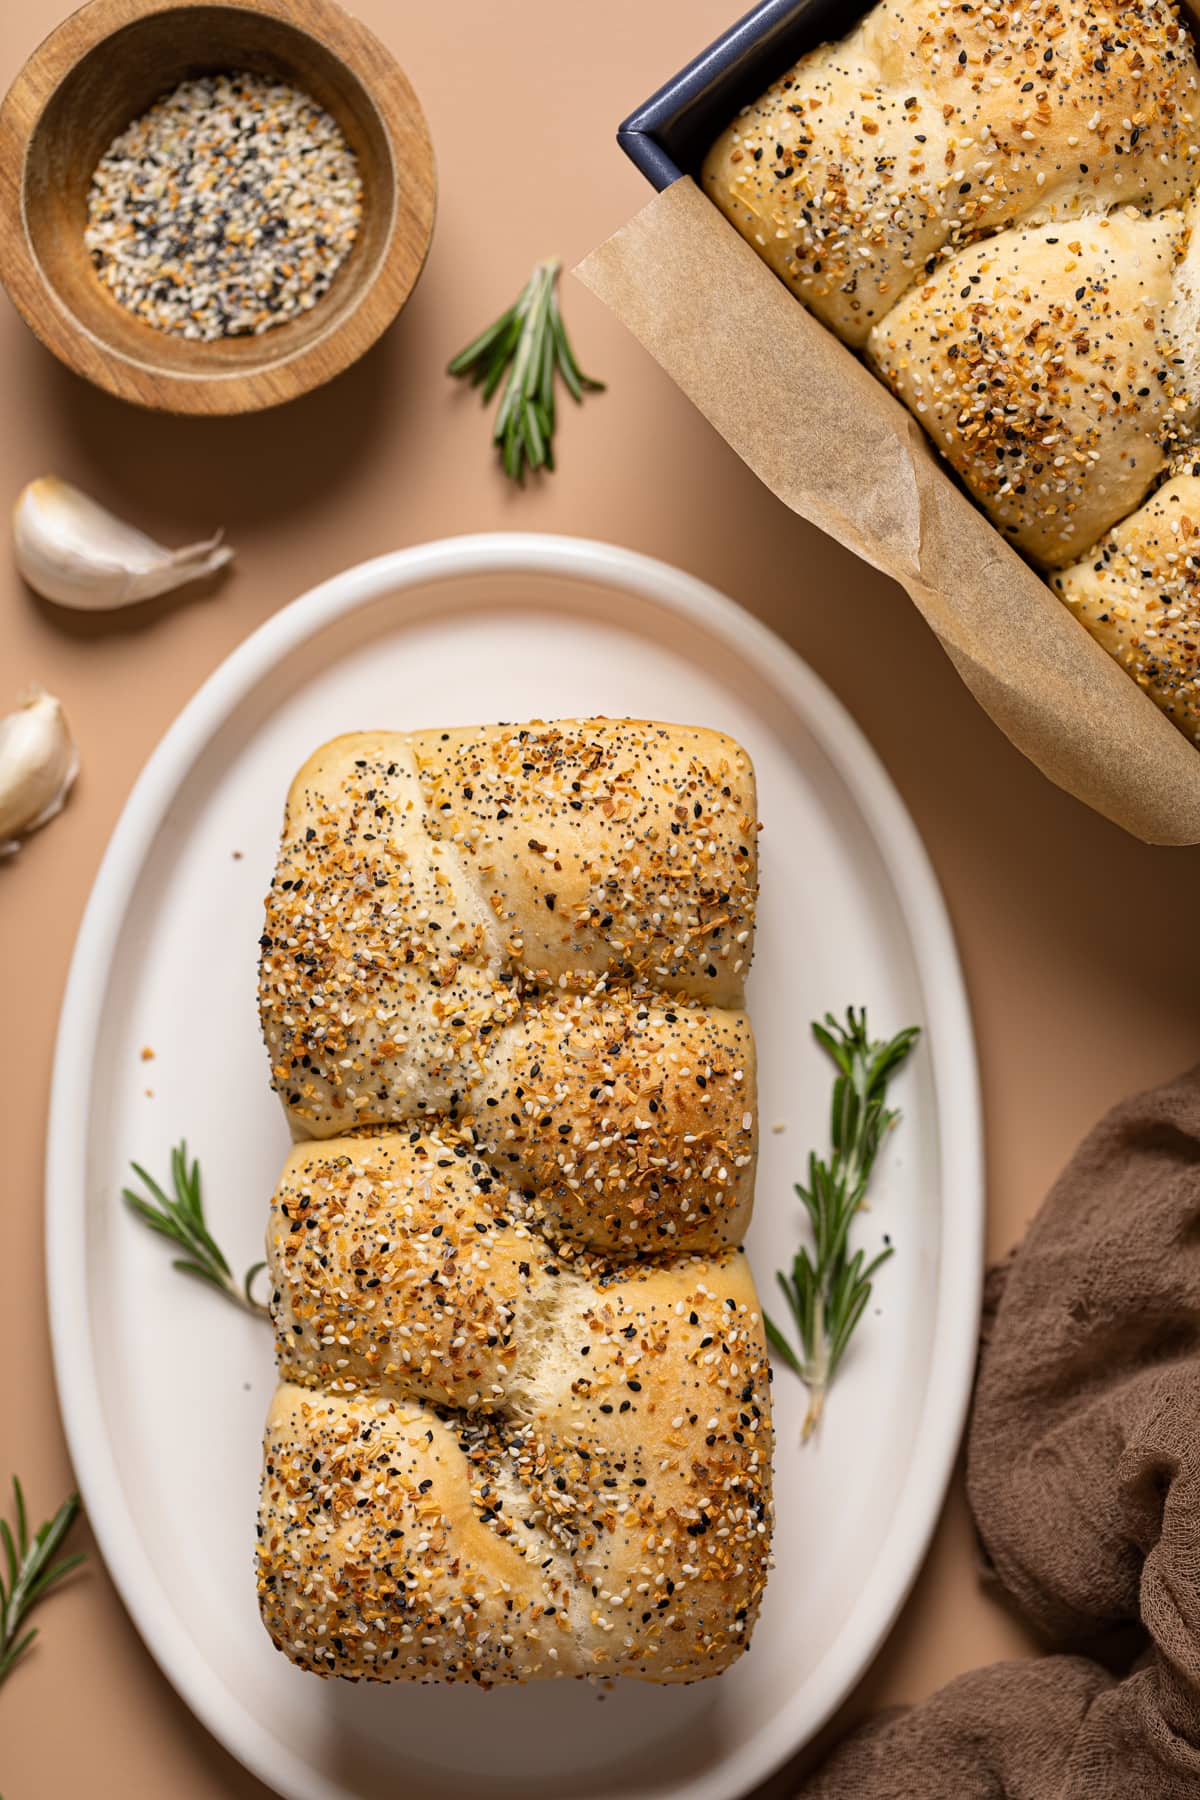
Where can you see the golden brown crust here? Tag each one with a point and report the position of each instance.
(615, 847)
(1138, 593)
(413, 1583)
(381, 979)
(1054, 369)
(382, 1276)
(934, 123)
(490, 1462)
(628, 1124)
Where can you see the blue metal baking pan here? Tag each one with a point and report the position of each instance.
(668, 136)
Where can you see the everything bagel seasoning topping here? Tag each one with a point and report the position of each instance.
(225, 209)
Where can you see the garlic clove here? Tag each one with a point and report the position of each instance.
(76, 552)
(38, 766)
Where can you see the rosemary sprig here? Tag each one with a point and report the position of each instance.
(181, 1219)
(827, 1288)
(30, 1572)
(530, 341)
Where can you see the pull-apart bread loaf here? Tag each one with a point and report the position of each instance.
(993, 201)
(524, 1426)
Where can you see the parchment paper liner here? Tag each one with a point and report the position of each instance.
(836, 447)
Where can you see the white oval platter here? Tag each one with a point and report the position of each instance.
(164, 1386)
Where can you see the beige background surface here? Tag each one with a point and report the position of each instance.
(1078, 943)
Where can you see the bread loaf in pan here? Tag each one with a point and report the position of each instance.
(995, 204)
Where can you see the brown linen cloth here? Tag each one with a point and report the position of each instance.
(1083, 1475)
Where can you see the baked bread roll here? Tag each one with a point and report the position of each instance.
(488, 1463)
(933, 123)
(1138, 593)
(1056, 368)
(629, 1124)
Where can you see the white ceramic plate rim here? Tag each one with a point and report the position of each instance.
(951, 1045)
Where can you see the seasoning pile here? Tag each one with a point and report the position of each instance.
(225, 209)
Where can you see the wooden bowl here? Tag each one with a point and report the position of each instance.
(103, 67)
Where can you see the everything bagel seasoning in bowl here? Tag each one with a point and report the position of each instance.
(226, 208)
